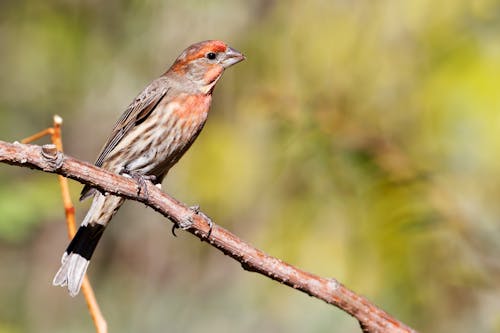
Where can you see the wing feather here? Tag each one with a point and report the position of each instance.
(140, 108)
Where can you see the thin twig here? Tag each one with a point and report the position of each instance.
(371, 318)
(69, 210)
(39, 135)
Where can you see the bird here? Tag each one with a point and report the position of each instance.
(151, 135)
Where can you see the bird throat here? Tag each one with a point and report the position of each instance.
(208, 88)
(210, 79)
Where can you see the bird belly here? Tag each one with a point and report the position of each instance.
(156, 144)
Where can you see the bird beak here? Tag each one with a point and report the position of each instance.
(232, 57)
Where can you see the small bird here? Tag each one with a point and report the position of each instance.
(153, 133)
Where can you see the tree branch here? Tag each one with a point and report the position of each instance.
(48, 159)
(88, 293)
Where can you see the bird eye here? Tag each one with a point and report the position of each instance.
(211, 55)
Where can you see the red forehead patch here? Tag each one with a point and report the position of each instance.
(198, 50)
(215, 46)
(201, 48)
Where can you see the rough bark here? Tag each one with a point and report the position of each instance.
(48, 159)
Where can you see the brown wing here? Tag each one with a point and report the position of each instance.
(136, 113)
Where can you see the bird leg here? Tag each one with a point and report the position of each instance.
(140, 179)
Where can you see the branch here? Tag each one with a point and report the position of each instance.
(48, 159)
(69, 210)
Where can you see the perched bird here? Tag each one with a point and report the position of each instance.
(152, 134)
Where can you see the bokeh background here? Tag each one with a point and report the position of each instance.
(360, 140)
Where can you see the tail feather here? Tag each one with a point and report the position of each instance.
(71, 273)
(76, 258)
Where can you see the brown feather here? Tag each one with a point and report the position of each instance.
(136, 113)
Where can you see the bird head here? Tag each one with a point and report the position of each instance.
(203, 63)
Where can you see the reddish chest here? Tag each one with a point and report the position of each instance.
(192, 106)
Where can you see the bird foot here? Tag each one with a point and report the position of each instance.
(141, 181)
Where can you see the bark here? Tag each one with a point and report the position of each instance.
(48, 159)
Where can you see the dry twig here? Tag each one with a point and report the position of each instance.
(371, 318)
(55, 136)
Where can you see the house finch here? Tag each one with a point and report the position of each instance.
(152, 134)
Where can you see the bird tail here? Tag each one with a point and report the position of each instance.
(76, 258)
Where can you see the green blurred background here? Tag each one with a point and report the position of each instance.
(360, 140)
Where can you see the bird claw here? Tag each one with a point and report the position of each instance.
(140, 179)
